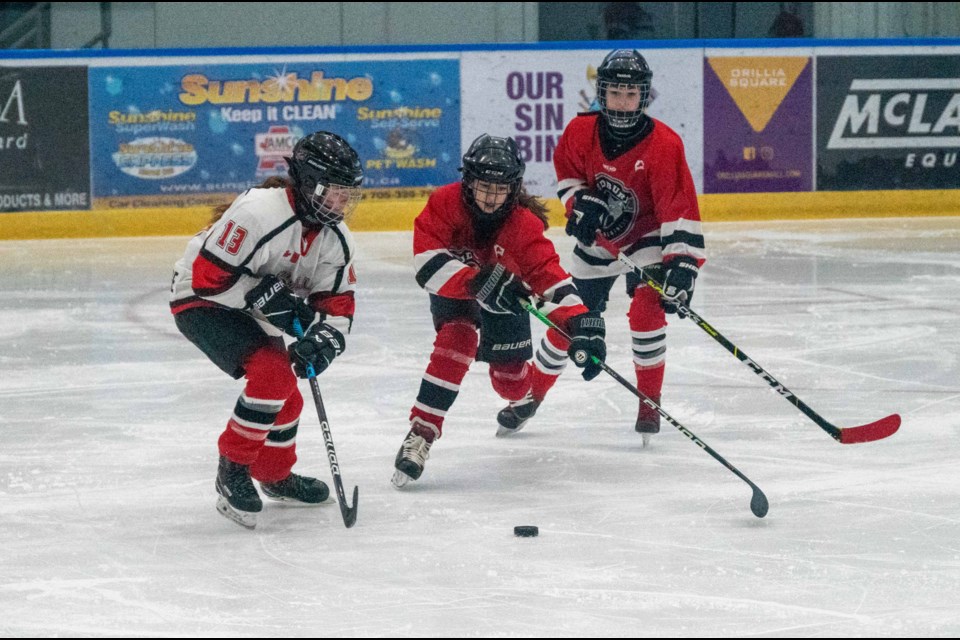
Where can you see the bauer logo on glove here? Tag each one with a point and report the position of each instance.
(271, 286)
(279, 305)
(314, 352)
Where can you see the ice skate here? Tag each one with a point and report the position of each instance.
(238, 499)
(648, 421)
(515, 415)
(296, 488)
(413, 453)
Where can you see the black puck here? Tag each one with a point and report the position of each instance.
(526, 532)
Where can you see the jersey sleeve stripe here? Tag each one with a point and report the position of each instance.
(647, 241)
(683, 237)
(568, 187)
(450, 270)
(431, 265)
(222, 264)
(593, 261)
(563, 294)
(681, 224)
(212, 276)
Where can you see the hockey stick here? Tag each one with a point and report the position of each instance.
(758, 503)
(878, 430)
(349, 513)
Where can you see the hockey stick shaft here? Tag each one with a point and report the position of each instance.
(847, 435)
(758, 503)
(348, 512)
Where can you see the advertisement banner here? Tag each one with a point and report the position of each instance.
(758, 129)
(888, 122)
(188, 135)
(532, 95)
(44, 153)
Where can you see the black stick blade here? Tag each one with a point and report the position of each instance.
(350, 513)
(883, 428)
(758, 503)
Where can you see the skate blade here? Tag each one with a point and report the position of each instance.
(400, 479)
(507, 431)
(294, 502)
(504, 431)
(646, 439)
(242, 518)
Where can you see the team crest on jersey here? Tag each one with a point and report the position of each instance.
(622, 203)
(466, 256)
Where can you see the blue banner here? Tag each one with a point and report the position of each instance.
(187, 135)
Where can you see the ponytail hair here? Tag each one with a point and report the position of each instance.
(535, 205)
(273, 182)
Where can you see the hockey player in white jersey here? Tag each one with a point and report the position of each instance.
(280, 252)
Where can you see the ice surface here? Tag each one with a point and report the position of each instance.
(110, 418)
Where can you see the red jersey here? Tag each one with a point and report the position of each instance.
(654, 215)
(447, 254)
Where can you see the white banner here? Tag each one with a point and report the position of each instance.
(532, 95)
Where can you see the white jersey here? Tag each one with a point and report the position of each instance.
(260, 235)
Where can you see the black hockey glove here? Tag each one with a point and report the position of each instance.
(272, 298)
(587, 332)
(318, 347)
(678, 284)
(498, 290)
(586, 218)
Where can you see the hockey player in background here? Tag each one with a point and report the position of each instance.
(280, 252)
(479, 249)
(624, 174)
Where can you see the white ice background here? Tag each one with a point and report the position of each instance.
(109, 420)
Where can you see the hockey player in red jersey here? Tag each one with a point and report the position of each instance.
(279, 253)
(624, 174)
(479, 249)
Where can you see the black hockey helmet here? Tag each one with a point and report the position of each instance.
(623, 68)
(496, 161)
(326, 176)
